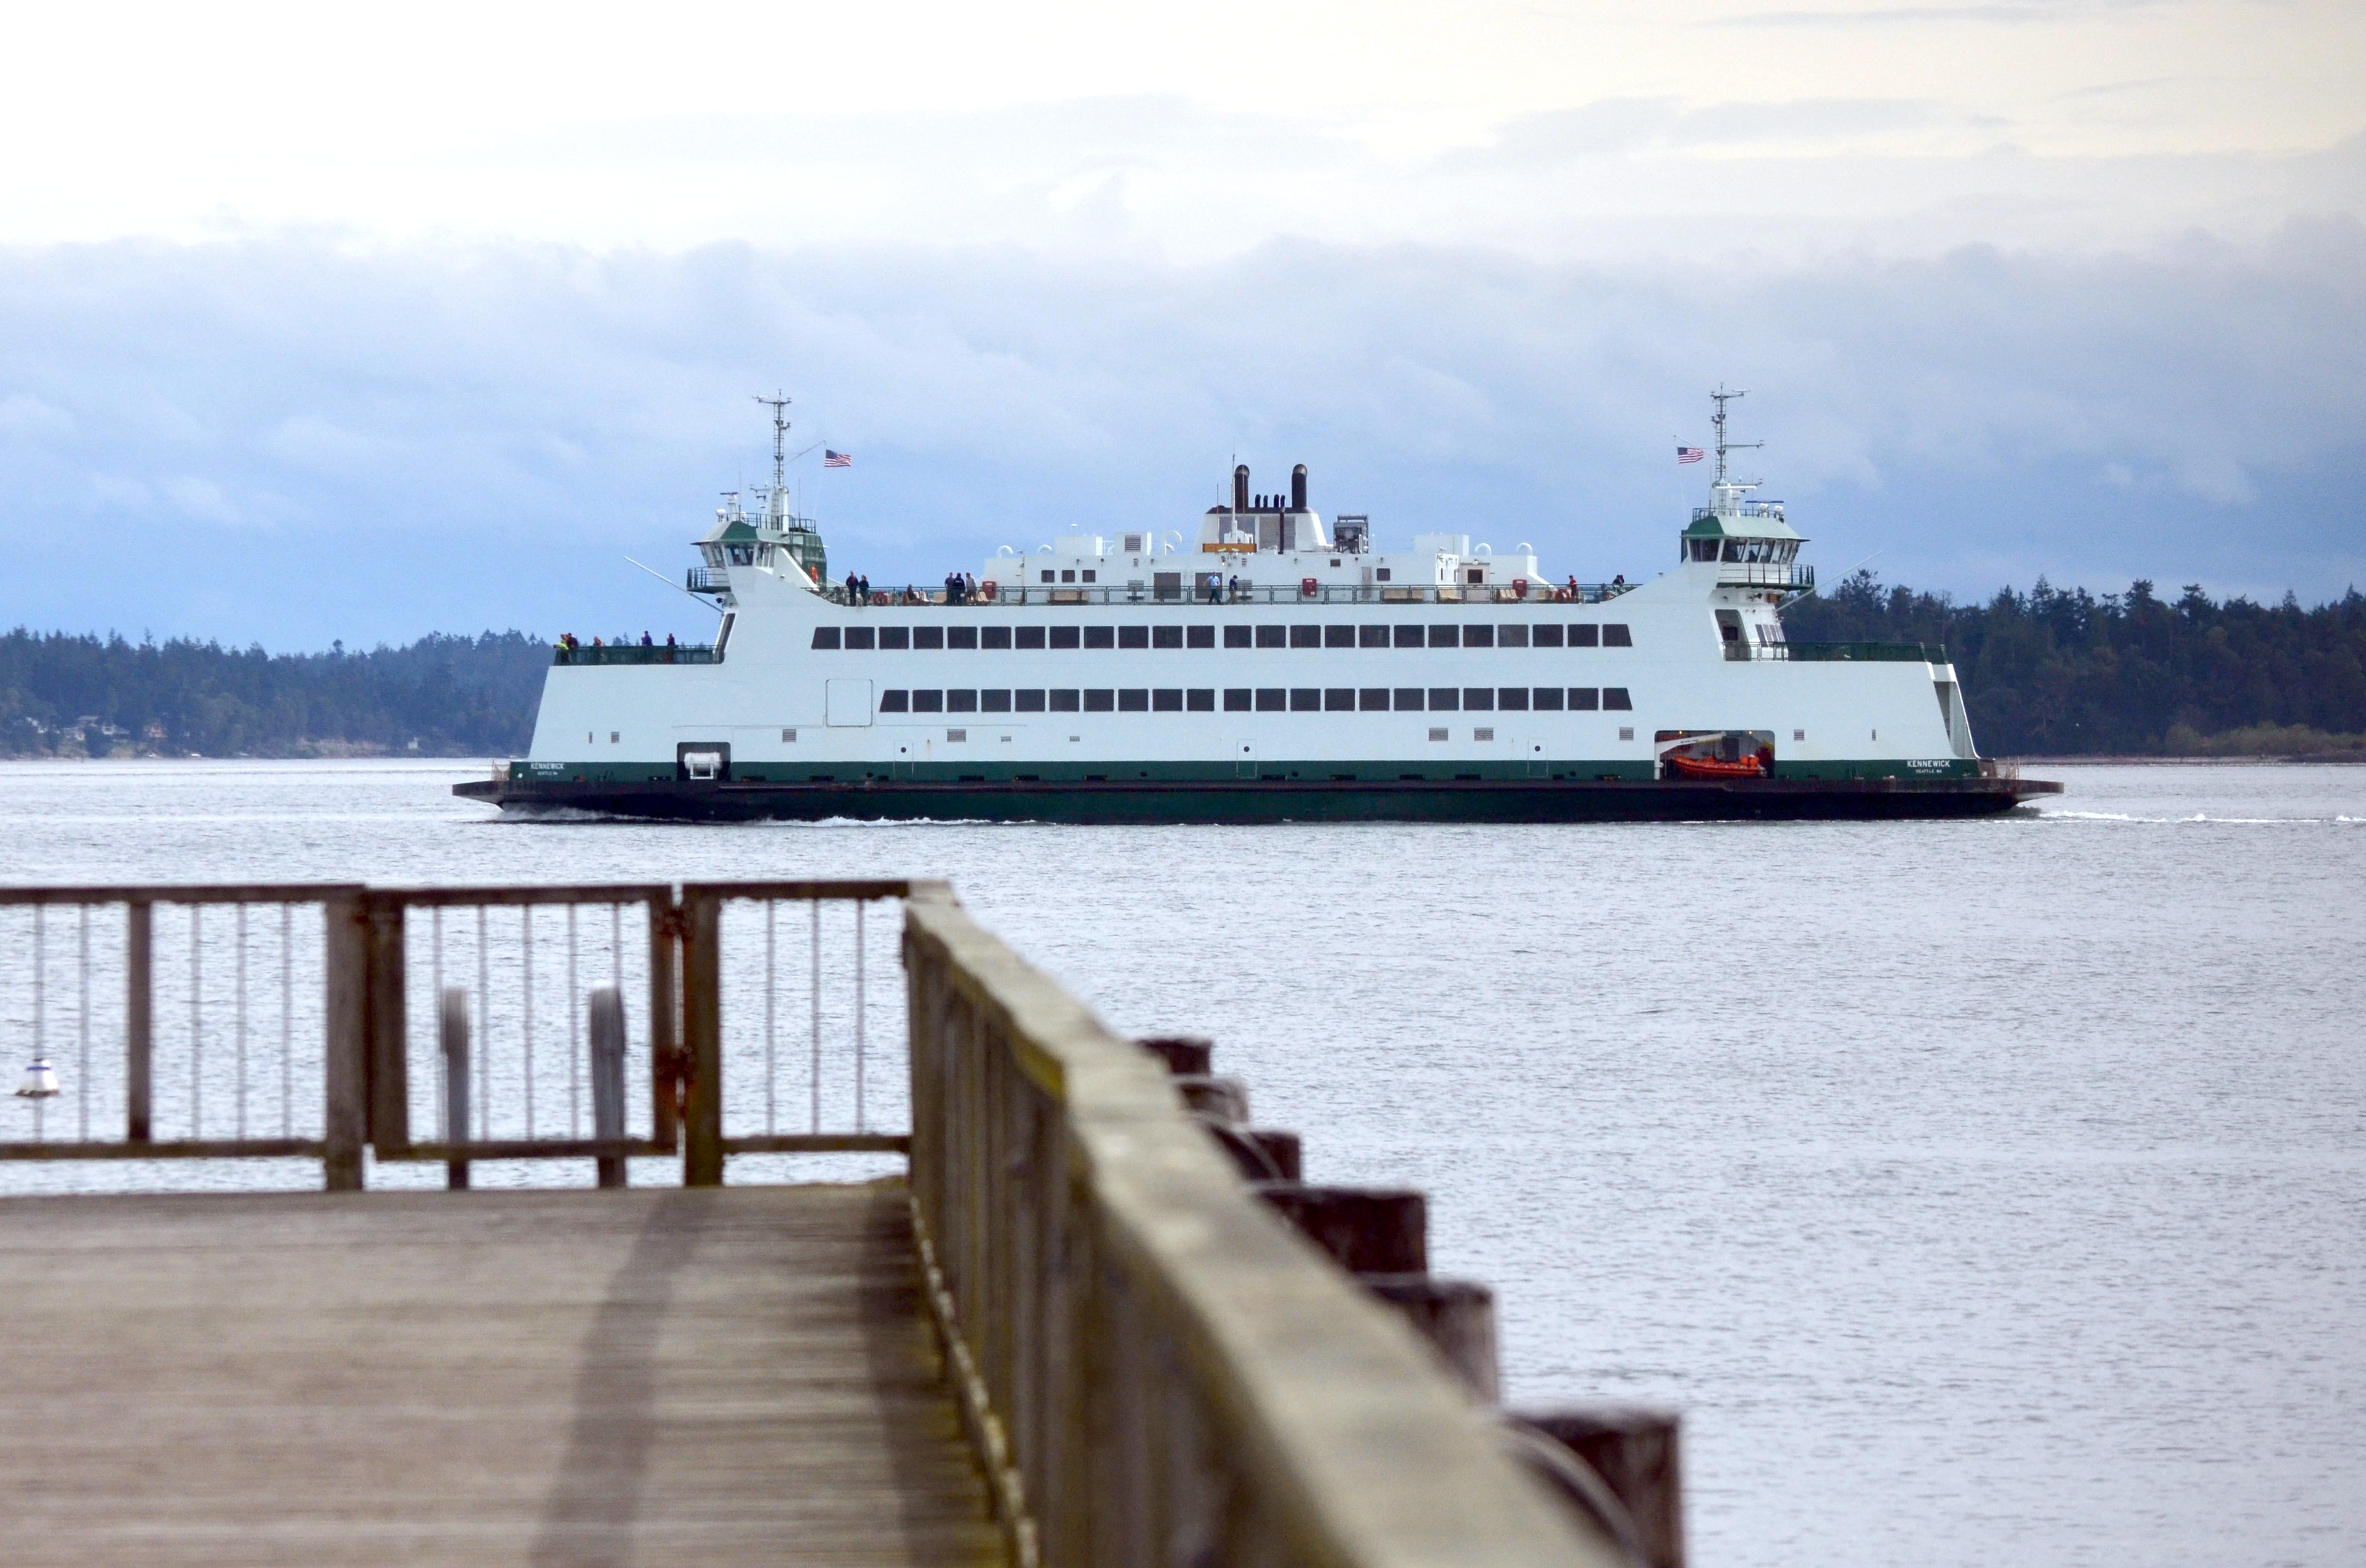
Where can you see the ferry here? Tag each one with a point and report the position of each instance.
(1269, 664)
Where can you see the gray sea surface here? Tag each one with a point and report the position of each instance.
(1985, 1193)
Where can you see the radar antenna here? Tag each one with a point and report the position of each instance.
(1721, 396)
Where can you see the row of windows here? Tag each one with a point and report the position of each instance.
(1263, 699)
(1522, 634)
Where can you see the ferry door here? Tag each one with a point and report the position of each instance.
(1244, 765)
(849, 705)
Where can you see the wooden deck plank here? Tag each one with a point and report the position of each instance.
(721, 1377)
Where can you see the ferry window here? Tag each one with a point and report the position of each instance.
(1410, 636)
(1089, 574)
(858, 636)
(1068, 576)
(1371, 636)
(1546, 636)
(1584, 699)
(1799, 735)
(962, 735)
(961, 637)
(1437, 734)
(1409, 699)
(1380, 574)
(994, 701)
(927, 636)
(1339, 699)
(1272, 699)
(994, 636)
(1514, 697)
(1482, 735)
(1201, 699)
(928, 702)
(1373, 699)
(1444, 699)
(1305, 699)
(1099, 699)
(1240, 636)
(1067, 702)
(1446, 637)
(1733, 549)
(1166, 636)
(1066, 636)
(1475, 575)
(1512, 636)
(1027, 702)
(1237, 699)
(1167, 699)
(895, 701)
(1585, 637)
(1273, 637)
(895, 636)
(1133, 637)
(825, 637)
(1547, 697)
(1133, 700)
(1030, 636)
(1306, 637)
(1626, 735)
(1338, 636)
(1615, 636)
(1199, 637)
(1617, 698)
(960, 702)
(1703, 549)
(789, 736)
(1047, 576)
(1100, 637)
(1478, 636)
(1479, 699)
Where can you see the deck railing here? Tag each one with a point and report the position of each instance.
(1839, 652)
(1292, 593)
(452, 1024)
(1158, 1372)
(633, 653)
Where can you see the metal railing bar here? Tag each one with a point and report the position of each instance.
(175, 1148)
(821, 1143)
(197, 1022)
(772, 1008)
(525, 947)
(530, 1148)
(436, 989)
(40, 956)
(82, 1083)
(512, 897)
(221, 892)
(237, 1006)
(574, 1035)
(484, 1072)
(287, 1020)
(814, 1082)
(860, 1001)
(789, 891)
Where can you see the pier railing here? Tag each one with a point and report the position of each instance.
(1155, 1369)
(456, 1024)
(1194, 593)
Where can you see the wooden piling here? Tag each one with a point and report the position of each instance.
(452, 1037)
(1181, 1052)
(1457, 1318)
(1638, 1456)
(138, 1019)
(608, 1077)
(1367, 1230)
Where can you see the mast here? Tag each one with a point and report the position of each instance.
(775, 503)
(1721, 396)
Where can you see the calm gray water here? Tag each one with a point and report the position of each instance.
(1982, 1194)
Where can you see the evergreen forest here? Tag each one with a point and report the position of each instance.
(2049, 672)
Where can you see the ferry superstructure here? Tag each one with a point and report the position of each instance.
(1276, 665)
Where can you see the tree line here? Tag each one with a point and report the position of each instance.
(2051, 672)
(67, 695)
(2066, 673)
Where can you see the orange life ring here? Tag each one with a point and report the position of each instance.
(882, 598)
(1560, 595)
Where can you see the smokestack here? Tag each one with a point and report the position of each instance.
(1241, 488)
(1297, 488)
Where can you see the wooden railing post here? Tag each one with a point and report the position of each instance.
(608, 1078)
(344, 1125)
(389, 1064)
(701, 985)
(138, 1019)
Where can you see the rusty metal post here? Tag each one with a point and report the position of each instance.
(701, 996)
(665, 1023)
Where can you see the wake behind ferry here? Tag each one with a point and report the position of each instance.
(1277, 665)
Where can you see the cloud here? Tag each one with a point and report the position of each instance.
(327, 442)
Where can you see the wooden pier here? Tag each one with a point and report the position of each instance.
(1097, 1321)
(717, 1376)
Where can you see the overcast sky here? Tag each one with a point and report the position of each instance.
(316, 325)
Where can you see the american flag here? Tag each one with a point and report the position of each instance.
(830, 459)
(1690, 454)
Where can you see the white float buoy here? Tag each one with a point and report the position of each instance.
(41, 1081)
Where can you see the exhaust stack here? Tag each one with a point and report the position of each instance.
(1297, 488)
(1241, 488)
